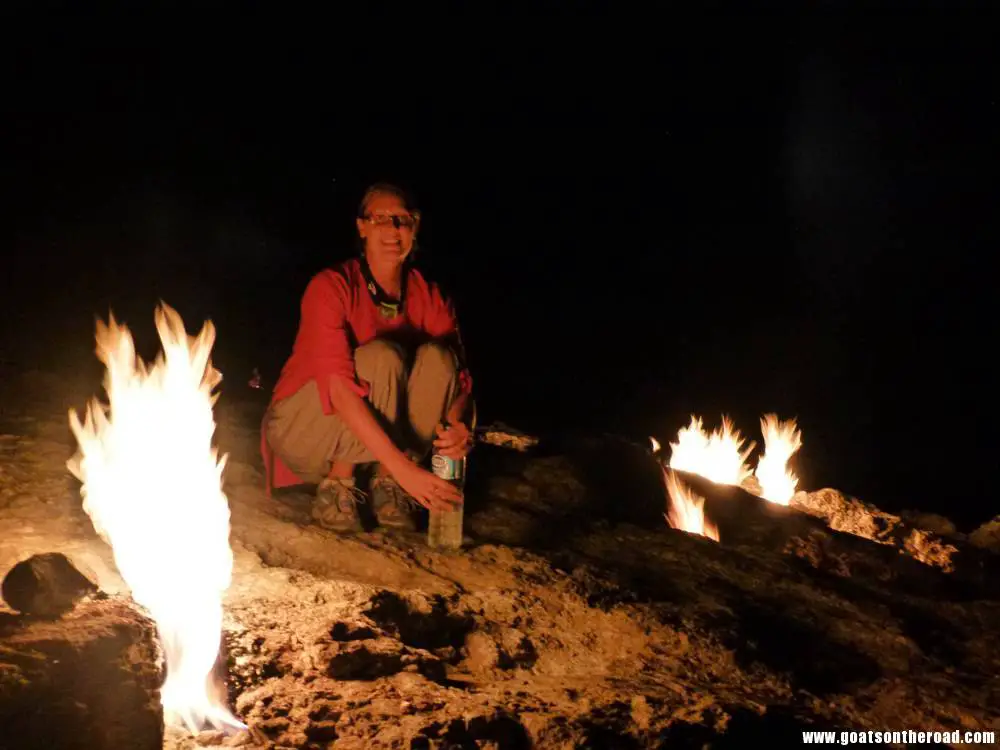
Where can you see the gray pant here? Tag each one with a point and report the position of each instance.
(309, 441)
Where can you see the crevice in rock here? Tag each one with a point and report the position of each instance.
(429, 630)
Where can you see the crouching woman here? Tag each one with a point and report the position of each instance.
(377, 376)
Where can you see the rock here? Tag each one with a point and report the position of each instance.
(932, 522)
(967, 562)
(987, 536)
(850, 515)
(642, 714)
(504, 436)
(517, 650)
(606, 628)
(483, 653)
(211, 737)
(752, 485)
(46, 584)
(88, 680)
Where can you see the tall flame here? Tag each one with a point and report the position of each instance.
(717, 457)
(781, 441)
(152, 486)
(686, 511)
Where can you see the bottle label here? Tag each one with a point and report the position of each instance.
(446, 468)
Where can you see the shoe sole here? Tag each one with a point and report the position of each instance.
(398, 526)
(348, 524)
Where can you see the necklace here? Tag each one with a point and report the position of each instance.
(388, 306)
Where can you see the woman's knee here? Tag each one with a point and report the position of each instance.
(379, 358)
(436, 357)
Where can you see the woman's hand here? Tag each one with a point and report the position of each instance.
(453, 441)
(428, 489)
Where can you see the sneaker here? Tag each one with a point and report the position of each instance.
(335, 505)
(392, 504)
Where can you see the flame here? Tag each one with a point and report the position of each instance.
(716, 457)
(686, 511)
(781, 441)
(655, 444)
(152, 486)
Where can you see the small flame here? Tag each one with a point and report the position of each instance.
(716, 457)
(152, 486)
(686, 511)
(655, 444)
(781, 441)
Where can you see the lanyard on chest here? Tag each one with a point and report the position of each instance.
(388, 306)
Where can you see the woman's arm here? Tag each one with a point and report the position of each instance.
(427, 489)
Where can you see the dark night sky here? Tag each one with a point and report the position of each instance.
(640, 217)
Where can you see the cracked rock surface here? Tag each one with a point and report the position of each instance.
(575, 619)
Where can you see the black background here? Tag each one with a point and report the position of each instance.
(641, 213)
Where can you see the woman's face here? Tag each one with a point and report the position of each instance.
(387, 230)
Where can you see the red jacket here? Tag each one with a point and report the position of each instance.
(337, 316)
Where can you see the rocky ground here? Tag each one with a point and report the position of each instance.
(575, 617)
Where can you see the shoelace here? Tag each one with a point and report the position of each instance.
(346, 496)
(399, 496)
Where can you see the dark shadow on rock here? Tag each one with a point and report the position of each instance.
(935, 635)
(606, 587)
(364, 664)
(322, 732)
(609, 726)
(505, 731)
(349, 631)
(520, 655)
(501, 731)
(10, 621)
(686, 736)
(371, 660)
(560, 489)
(624, 481)
(485, 462)
(438, 628)
(609, 738)
(812, 660)
(777, 727)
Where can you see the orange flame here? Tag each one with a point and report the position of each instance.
(686, 511)
(781, 441)
(152, 486)
(717, 457)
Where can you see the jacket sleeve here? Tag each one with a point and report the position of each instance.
(324, 335)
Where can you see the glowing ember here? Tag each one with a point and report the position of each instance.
(781, 441)
(152, 486)
(716, 457)
(686, 511)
